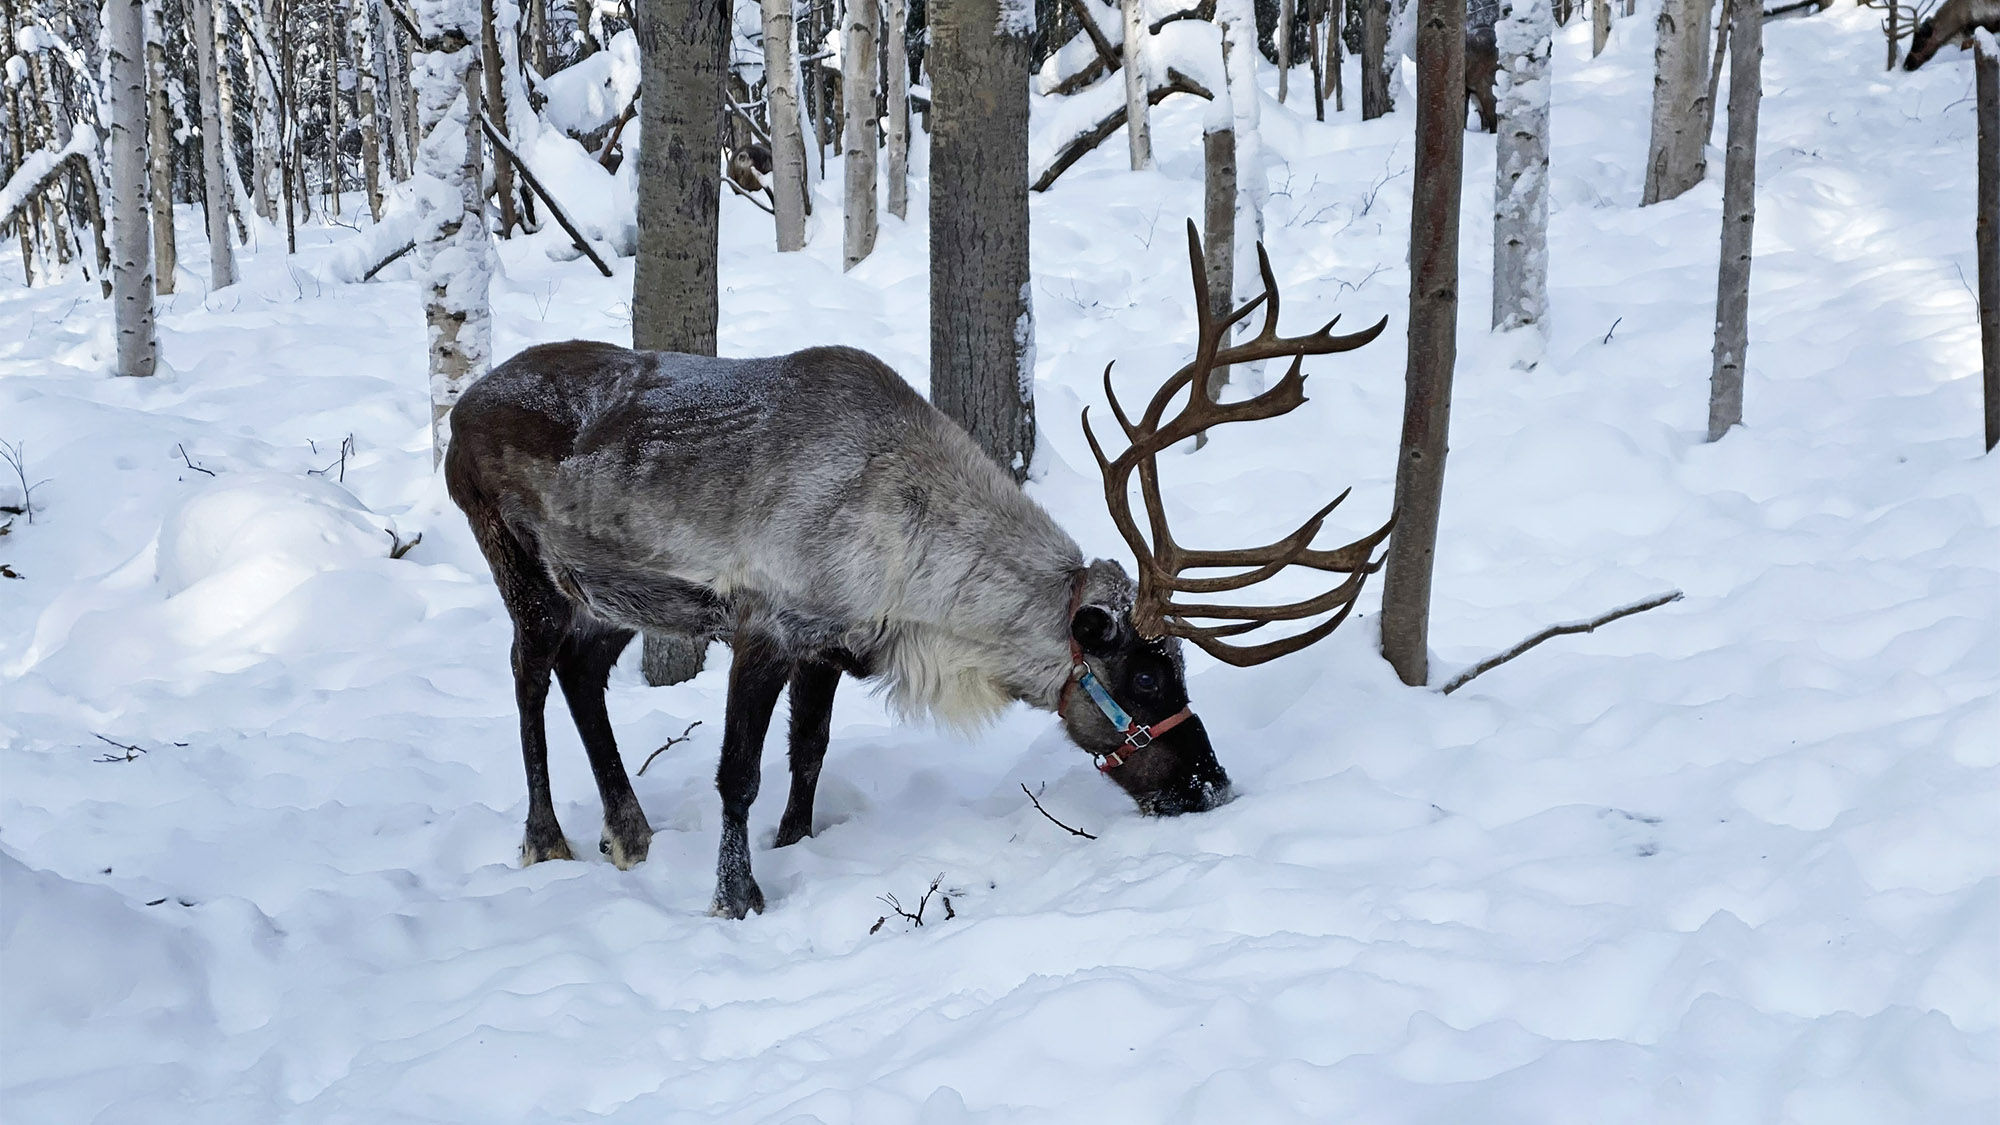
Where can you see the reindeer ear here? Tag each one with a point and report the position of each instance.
(1095, 629)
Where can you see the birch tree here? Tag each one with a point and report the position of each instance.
(131, 233)
(1600, 26)
(1986, 228)
(1521, 166)
(1375, 95)
(858, 79)
(1433, 352)
(982, 313)
(788, 143)
(896, 84)
(214, 144)
(454, 256)
(160, 155)
(1138, 126)
(1674, 158)
(361, 45)
(1739, 212)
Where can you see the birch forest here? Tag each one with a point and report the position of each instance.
(1610, 734)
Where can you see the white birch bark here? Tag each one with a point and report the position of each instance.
(1138, 121)
(361, 44)
(1739, 210)
(214, 143)
(131, 233)
(857, 87)
(1253, 189)
(160, 162)
(788, 144)
(1521, 166)
(1284, 34)
(454, 257)
(1675, 160)
(264, 116)
(896, 80)
(1600, 26)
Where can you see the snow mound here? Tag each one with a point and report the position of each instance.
(586, 97)
(260, 529)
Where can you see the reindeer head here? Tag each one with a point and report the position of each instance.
(1125, 637)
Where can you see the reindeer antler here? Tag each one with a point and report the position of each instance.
(1162, 561)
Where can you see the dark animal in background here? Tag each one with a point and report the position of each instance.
(817, 514)
(1482, 65)
(1952, 22)
(749, 167)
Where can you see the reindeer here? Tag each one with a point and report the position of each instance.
(1952, 22)
(817, 514)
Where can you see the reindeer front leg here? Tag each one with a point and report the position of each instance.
(756, 676)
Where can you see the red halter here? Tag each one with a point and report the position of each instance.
(1138, 736)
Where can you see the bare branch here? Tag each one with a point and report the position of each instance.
(398, 548)
(1590, 626)
(1052, 819)
(671, 742)
(189, 461)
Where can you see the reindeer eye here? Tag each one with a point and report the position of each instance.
(1147, 682)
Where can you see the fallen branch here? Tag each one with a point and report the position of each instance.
(671, 742)
(189, 461)
(398, 548)
(131, 753)
(501, 146)
(385, 263)
(16, 460)
(916, 919)
(1081, 144)
(1590, 626)
(1052, 819)
(1613, 328)
(732, 185)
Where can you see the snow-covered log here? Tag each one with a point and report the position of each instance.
(1086, 132)
(1521, 166)
(454, 257)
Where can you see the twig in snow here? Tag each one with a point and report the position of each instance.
(340, 466)
(671, 742)
(11, 453)
(1053, 820)
(917, 918)
(189, 461)
(1590, 626)
(398, 548)
(131, 753)
(385, 263)
(1613, 328)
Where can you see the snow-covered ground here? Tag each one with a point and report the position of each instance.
(1731, 861)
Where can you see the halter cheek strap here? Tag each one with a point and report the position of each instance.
(1137, 735)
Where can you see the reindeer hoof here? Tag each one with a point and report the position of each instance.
(533, 851)
(738, 901)
(791, 832)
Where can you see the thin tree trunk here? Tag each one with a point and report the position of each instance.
(982, 315)
(1892, 32)
(1521, 166)
(538, 37)
(788, 144)
(1318, 70)
(221, 261)
(395, 79)
(1986, 81)
(1138, 123)
(1406, 592)
(1715, 69)
(1600, 26)
(160, 163)
(288, 148)
(859, 37)
(896, 76)
(454, 256)
(264, 134)
(131, 236)
(17, 146)
(330, 44)
(1674, 157)
(1286, 13)
(496, 96)
(1218, 228)
(1375, 99)
(1739, 210)
(1336, 56)
(361, 45)
(240, 204)
(683, 46)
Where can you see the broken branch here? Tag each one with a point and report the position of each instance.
(671, 742)
(1590, 626)
(1052, 819)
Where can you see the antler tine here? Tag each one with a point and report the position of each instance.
(1245, 656)
(1273, 558)
(1264, 270)
(1117, 408)
(1289, 611)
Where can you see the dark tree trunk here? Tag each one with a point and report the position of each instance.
(1986, 78)
(1406, 588)
(1374, 68)
(682, 52)
(1739, 209)
(982, 319)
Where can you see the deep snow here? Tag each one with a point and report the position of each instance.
(1733, 860)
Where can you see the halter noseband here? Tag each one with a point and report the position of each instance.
(1138, 735)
